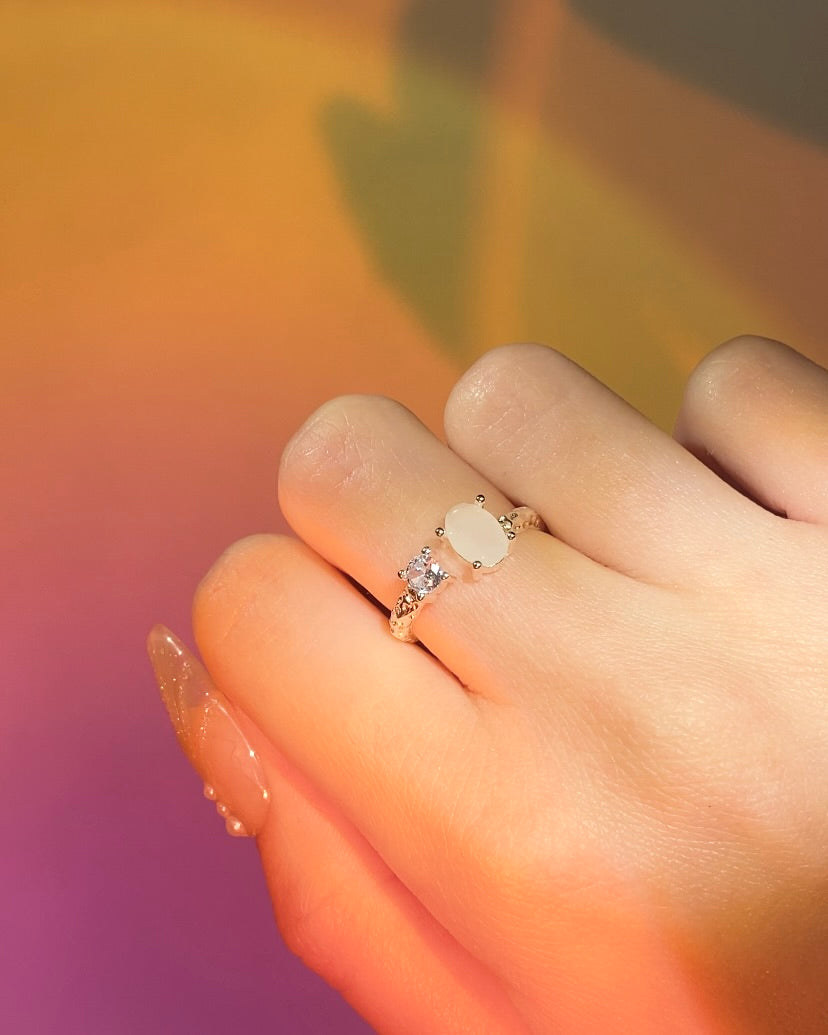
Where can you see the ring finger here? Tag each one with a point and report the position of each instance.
(365, 483)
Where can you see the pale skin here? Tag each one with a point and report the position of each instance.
(598, 801)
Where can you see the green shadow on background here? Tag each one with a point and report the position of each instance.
(408, 177)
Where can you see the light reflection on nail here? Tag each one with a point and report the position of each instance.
(209, 735)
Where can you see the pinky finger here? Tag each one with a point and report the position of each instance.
(349, 918)
(338, 906)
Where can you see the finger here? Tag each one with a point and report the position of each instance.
(605, 479)
(380, 727)
(365, 484)
(350, 919)
(756, 411)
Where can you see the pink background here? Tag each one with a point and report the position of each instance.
(216, 215)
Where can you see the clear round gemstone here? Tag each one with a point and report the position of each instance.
(423, 575)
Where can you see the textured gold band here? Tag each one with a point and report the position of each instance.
(402, 616)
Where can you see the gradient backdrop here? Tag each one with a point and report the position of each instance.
(215, 215)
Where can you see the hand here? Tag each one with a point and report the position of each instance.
(598, 801)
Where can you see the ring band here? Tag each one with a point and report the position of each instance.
(476, 536)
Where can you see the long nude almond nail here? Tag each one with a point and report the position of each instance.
(207, 730)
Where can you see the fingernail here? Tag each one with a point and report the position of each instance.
(209, 735)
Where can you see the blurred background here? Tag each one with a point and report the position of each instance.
(215, 215)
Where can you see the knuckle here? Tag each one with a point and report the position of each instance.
(220, 596)
(489, 371)
(736, 366)
(336, 444)
(490, 381)
(314, 926)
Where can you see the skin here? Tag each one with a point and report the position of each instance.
(597, 802)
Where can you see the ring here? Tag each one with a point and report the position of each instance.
(475, 535)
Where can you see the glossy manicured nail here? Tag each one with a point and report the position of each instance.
(210, 736)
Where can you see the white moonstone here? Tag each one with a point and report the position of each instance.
(476, 534)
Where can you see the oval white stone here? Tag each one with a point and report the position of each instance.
(476, 534)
